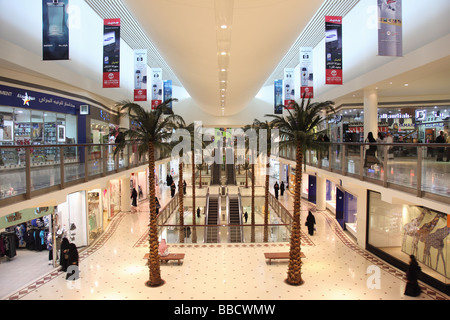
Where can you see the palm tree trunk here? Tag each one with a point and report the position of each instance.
(266, 205)
(252, 236)
(194, 231)
(180, 201)
(153, 259)
(295, 262)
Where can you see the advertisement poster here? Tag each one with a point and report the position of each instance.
(140, 75)
(157, 87)
(333, 49)
(278, 96)
(55, 30)
(111, 53)
(306, 72)
(168, 91)
(289, 86)
(390, 28)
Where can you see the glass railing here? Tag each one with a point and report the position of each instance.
(407, 167)
(251, 233)
(28, 171)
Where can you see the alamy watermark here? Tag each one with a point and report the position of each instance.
(236, 147)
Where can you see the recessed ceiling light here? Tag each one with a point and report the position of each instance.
(223, 53)
(224, 26)
(223, 70)
(406, 84)
(223, 81)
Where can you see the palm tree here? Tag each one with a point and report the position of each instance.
(298, 129)
(153, 129)
(268, 126)
(246, 167)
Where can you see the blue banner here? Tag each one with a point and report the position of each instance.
(278, 96)
(167, 87)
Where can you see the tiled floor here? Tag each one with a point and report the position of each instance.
(114, 268)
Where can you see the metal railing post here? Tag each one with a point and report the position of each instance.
(61, 166)
(419, 172)
(28, 173)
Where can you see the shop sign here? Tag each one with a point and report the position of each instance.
(25, 215)
(335, 119)
(16, 97)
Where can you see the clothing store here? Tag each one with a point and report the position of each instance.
(25, 231)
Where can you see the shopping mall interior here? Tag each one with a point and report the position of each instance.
(384, 67)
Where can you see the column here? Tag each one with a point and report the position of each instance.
(321, 193)
(370, 112)
(125, 201)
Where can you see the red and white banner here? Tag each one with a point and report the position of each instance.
(306, 72)
(333, 49)
(111, 53)
(140, 75)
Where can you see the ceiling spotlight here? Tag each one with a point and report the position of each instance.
(223, 70)
(223, 81)
(406, 84)
(224, 26)
(223, 53)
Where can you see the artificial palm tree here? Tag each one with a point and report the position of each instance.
(153, 129)
(267, 126)
(297, 128)
(246, 167)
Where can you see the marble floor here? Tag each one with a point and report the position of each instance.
(113, 268)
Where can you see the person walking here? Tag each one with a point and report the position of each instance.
(412, 286)
(64, 254)
(282, 188)
(276, 187)
(370, 151)
(440, 139)
(134, 195)
(172, 189)
(184, 187)
(72, 263)
(245, 216)
(198, 212)
(310, 222)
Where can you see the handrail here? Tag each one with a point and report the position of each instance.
(348, 159)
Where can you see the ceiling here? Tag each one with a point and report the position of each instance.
(190, 37)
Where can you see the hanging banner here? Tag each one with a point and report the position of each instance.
(55, 30)
(111, 53)
(306, 72)
(278, 96)
(140, 75)
(168, 91)
(390, 28)
(333, 49)
(157, 87)
(289, 86)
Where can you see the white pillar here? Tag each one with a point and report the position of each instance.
(370, 112)
(125, 201)
(321, 193)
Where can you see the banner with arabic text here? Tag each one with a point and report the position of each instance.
(306, 72)
(140, 75)
(333, 49)
(111, 53)
(55, 30)
(390, 28)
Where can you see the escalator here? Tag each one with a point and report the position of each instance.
(212, 219)
(234, 219)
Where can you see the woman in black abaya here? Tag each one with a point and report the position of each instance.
(64, 253)
(412, 286)
(310, 222)
(72, 263)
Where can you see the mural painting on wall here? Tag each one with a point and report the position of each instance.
(426, 238)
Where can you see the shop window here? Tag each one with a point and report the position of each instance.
(401, 230)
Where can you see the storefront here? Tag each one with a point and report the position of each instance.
(410, 124)
(396, 231)
(70, 219)
(94, 214)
